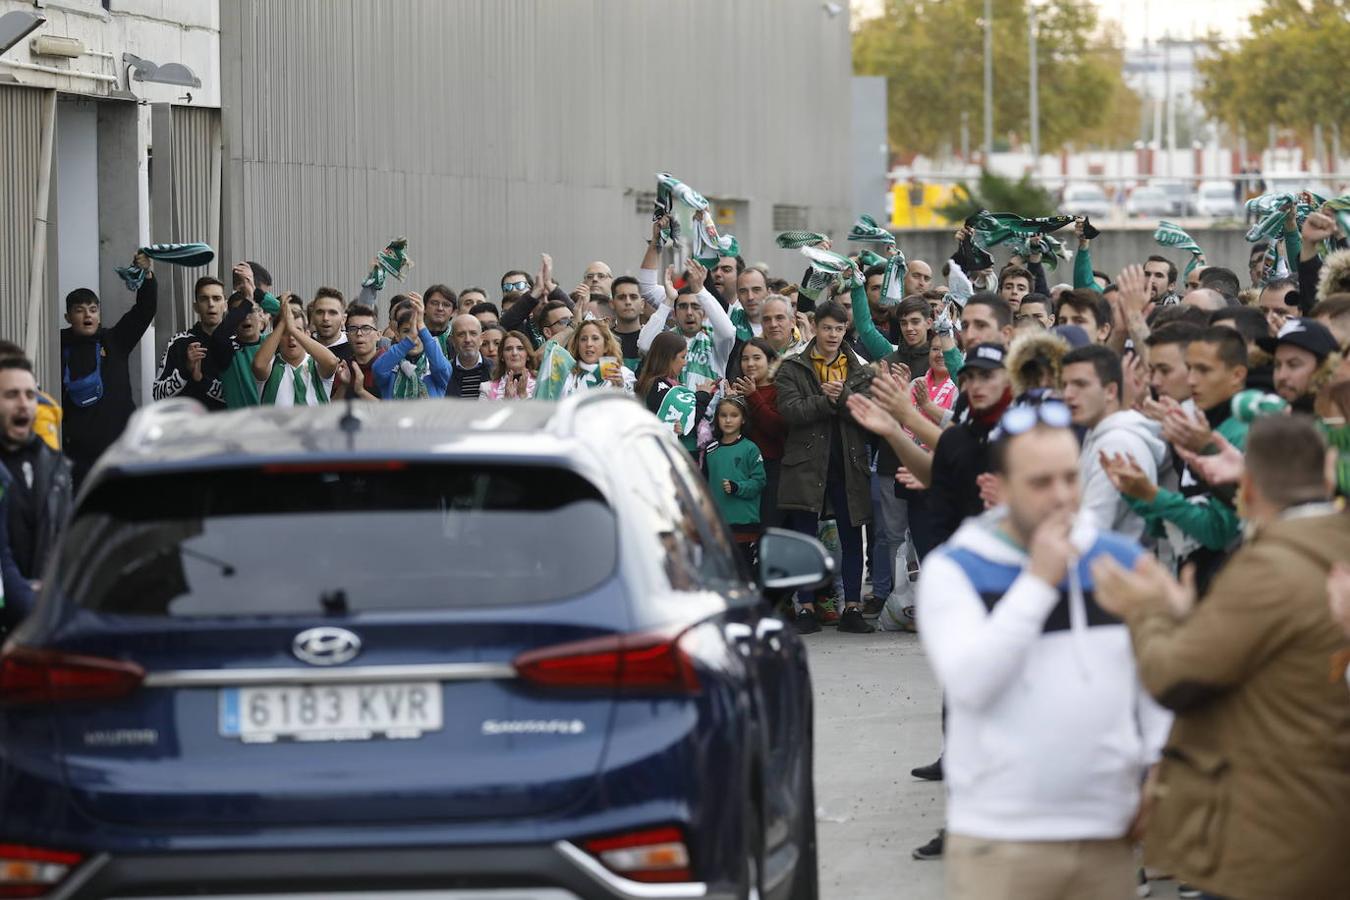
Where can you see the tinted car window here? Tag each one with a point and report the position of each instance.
(286, 540)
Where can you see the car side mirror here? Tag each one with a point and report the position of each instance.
(789, 561)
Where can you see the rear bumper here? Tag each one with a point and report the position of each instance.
(560, 871)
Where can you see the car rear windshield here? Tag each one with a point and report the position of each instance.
(283, 540)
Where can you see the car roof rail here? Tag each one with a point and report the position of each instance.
(563, 422)
(147, 423)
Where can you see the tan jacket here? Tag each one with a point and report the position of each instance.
(1253, 791)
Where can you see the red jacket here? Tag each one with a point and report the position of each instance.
(766, 427)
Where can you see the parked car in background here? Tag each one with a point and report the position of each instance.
(1148, 202)
(1179, 197)
(1216, 200)
(1085, 200)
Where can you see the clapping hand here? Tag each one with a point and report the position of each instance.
(1122, 591)
(1190, 431)
(195, 354)
(870, 415)
(1224, 467)
(1127, 477)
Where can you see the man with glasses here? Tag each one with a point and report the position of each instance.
(364, 337)
(1049, 730)
(598, 278)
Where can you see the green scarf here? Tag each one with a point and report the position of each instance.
(1171, 235)
(392, 260)
(992, 229)
(300, 391)
(411, 387)
(1048, 246)
(828, 267)
(795, 240)
(679, 406)
(867, 231)
(867, 259)
(190, 255)
(893, 279)
(554, 365)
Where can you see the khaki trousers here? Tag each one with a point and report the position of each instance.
(978, 869)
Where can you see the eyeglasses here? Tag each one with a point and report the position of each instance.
(561, 323)
(515, 287)
(596, 276)
(362, 329)
(1026, 416)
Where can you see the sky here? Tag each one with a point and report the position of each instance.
(1139, 18)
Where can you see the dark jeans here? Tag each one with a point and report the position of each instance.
(850, 540)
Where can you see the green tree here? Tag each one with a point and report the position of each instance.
(1291, 71)
(998, 194)
(932, 55)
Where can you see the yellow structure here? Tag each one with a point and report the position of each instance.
(914, 204)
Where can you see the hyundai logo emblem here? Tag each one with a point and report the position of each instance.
(326, 646)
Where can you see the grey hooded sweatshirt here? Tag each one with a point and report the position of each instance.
(1138, 437)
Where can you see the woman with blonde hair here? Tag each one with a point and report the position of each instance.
(599, 360)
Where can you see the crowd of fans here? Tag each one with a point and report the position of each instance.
(1110, 507)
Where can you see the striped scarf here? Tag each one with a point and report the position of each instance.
(867, 231)
(299, 390)
(1171, 235)
(992, 229)
(392, 260)
(410, 379)
(893, 279)
(189, 255)
(795, 240)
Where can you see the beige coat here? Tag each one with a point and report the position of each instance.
(1253, 791)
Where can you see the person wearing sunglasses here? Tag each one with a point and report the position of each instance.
(1050, 732)
(525, 298)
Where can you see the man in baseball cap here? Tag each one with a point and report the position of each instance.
(1301, 350)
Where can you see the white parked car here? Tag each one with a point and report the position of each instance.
(1179, 193)
(1148, 202)
(1215, 200)
(1085, 200)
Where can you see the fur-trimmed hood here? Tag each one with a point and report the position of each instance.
(1032, 348)
(1335, 277)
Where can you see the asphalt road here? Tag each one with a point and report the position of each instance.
(878, 715)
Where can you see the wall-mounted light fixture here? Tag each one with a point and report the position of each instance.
(17, 25)
(168, 73)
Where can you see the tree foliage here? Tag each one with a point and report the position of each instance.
(998, 194)
(1291, 71)
(932, 55)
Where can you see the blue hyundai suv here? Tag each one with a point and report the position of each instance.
(421, 649)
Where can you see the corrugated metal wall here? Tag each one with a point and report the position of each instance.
(196, 163)
(490, 130)
(21, 127)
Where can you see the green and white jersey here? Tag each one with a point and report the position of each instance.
(299, 385)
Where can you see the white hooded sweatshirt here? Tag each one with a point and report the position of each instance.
(1138, 437)
(1049, 731)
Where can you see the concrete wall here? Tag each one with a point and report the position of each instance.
(1110, 253)
(487, 131)
(871, 147)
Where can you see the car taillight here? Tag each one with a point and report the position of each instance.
(33, 871)
(650, 661)
(31, 675)
(654, 855)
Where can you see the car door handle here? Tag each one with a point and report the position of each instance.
(740, 635)
(768, 626)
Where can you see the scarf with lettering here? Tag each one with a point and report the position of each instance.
(392, 260)
(867, 231)
(1171, 235)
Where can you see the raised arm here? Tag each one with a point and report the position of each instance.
(262, 360)
(873, 340)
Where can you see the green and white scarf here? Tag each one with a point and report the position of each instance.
(409, 378)
(705, 244)
(1048, 246)
(699, 360)
(555, 364)
(893, 279)
(828, 267)
(867, 259)
(392, 260)
(668, 190)
(992, 229)
(300, 390)
(867, 231)
(679, 406)
(1172, 235)
(741, 319)
(189, 255)
(795, 240)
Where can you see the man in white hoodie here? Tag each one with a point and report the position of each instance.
(1092, 385)
(1049, 732)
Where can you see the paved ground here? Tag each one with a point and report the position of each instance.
(878, 714)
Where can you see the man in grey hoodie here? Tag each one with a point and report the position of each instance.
(1092, 388)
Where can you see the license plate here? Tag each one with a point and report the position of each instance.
(339, 712)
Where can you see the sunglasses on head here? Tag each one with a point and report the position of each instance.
(1024, 417)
